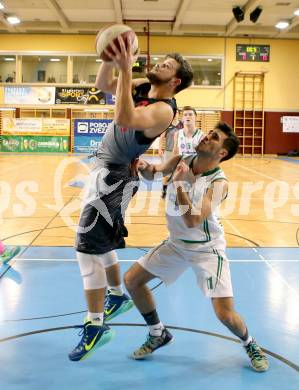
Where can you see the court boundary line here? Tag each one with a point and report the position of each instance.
(133, 260)
(184, 329)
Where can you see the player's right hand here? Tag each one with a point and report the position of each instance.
(142, 165)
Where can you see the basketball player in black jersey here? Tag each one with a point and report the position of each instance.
(139, 118)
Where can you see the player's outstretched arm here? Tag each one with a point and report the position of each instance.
(148, 170)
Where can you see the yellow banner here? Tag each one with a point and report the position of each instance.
(36, 126)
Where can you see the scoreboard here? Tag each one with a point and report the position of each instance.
(253, 53)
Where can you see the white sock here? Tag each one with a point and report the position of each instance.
(116, 290)
(246, 342)
(156, 330)
(95, 318)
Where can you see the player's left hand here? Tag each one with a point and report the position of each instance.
(181, 171)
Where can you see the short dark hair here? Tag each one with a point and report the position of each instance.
(184, 72)
(231, 143)
(189, 108)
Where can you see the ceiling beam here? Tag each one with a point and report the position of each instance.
(52, 4)
(247, 8)
(118, 11)
(184, 4)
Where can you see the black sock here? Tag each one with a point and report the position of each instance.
(164, 189)
(151, 318)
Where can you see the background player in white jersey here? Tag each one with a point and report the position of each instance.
(166, 145)
(196, 240)
(187, 138)
(138, 120)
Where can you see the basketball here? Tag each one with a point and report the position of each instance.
(110, 34)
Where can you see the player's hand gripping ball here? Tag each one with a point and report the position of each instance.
(109, 34)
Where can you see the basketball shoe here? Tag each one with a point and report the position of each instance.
(93, 337)
(152, 343)
(116, 304)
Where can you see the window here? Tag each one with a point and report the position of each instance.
(85, 69)
(7, 68)
(207, 71)
(44, 69)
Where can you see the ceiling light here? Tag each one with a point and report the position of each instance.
(1, 6)
(282, 24)
(55, 59)
(155, 58)
(296, 12)
(98, 60)
(238, 14)
(13, 19)
(210, 59)
(9, 59)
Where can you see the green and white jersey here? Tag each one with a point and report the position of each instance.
(187, 145)
(208, 233)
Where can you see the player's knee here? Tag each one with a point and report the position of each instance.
(108, 259)
(93, 272)
(131, 283)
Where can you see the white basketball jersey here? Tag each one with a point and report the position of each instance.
(187, 145)
(208, 233)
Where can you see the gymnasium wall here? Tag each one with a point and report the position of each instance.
(281, 80)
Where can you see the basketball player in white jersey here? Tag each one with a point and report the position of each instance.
(187, 138)
(166, 145)
(196, 240)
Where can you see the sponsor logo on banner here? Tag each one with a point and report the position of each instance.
(110, 99)
(67, 95)
(29, 95)
(91, 127)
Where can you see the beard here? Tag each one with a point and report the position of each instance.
(154, 79)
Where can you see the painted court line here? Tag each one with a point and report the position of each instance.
(262, 260)
(267, 262)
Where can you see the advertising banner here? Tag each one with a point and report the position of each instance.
(88, 133)
(35, 126)
(29, 95)
(34, 144)
(83, 144)
(56, 126)
(68, 95)
(110, 99)
(91, 127)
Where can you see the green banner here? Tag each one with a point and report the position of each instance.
(34, 144)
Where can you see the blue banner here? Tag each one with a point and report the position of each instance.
(88, 133)
(90, 127)
(85, 144)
